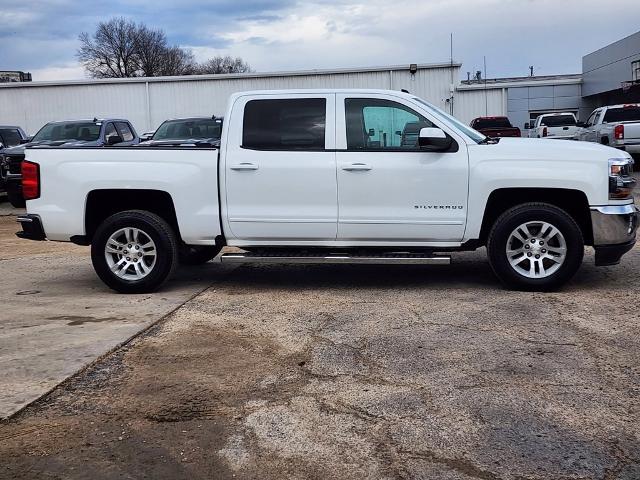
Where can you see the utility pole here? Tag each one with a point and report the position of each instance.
(486, 100)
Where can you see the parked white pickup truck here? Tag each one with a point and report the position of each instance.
(616, 125)
(561, 126)
(337, 176)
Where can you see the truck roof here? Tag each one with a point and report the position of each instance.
(555, 114)
(622, 105)
(312, 91)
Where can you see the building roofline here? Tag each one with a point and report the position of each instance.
(226, 76)
(540, 81)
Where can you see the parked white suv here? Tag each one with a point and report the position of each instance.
(336, 176)
(562, 126)
(615, 125)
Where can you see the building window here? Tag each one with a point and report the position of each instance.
(635, 70)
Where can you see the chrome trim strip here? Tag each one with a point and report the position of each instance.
(616, 209)
(334, 259)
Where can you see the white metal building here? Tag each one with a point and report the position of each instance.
(146, 102)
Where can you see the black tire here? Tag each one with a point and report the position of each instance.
(534, 212)
(196, 254)
(15, 197)
(156, 229)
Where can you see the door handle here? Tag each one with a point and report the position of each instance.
(355, 167)
(244, 166)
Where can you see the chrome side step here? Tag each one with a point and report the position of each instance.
(338, 258)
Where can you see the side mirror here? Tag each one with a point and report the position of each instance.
(372, 132)
(434, 139)
(581, 124)
(114, 139)
(527, 126)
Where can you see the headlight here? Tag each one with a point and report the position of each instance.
(621, 183)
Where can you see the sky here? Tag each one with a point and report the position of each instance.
(41, 36)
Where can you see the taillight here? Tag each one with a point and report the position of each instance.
(544, 132)
(30, 180)
(618, 132)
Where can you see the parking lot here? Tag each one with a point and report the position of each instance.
(316, 371)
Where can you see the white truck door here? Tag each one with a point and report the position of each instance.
(589, 132)
(280, 168)
(388, 189)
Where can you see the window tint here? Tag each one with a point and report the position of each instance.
(67, 131)
(374, 124)
(285, 124)
(109, 131)
(558, 120)
(491, 122)
(188, 129)
(125, 131)
(629, 113)
(10, 137)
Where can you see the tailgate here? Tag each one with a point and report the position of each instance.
(632, 131)
(566, 131)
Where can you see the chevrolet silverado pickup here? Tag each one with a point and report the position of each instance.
(332, 176)
(559, 126)
(617, 126)
(495, 127)
(74, 133)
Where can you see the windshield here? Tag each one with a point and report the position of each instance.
(55, 132)
(558, 120)
(629, 113)
(492, 122)
(189, 129)
(470, 132)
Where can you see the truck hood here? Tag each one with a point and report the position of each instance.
(538, 149)
(19, 150)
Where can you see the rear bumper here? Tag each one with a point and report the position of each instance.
(614, 231)
(31, 227)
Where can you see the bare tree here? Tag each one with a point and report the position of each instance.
(226, 64)
(111, 51)
(122, 48)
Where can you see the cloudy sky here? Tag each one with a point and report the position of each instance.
(42, 36)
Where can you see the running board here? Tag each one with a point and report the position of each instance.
(341, 258)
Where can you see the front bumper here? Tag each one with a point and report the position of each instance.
(31, 227)
(614, 231)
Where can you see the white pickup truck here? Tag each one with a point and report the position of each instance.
(336, 176)
(617, 126)
(560, 126)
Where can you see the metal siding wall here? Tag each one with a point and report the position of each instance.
(33, 106)
(469, 104)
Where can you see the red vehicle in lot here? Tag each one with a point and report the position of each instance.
(495, 127)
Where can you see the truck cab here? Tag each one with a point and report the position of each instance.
(336, 176)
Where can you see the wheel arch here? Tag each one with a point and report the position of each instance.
(103, 203)
(574, 202)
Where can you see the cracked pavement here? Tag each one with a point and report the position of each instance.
(358, 372)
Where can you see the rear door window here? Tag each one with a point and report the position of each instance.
(125, 131)
(285, 124)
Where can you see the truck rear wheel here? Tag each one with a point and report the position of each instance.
(535, 247)
(134, 251)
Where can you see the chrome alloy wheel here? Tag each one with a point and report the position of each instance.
(130, 253)
(536, 249)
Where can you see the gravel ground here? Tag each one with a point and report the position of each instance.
(358, 372)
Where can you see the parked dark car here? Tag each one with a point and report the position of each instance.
(495, 127)
(195, 131)
(10, 136)
(74, 133)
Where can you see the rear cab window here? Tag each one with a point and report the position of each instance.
(495, 122)
(558, 120)
(628, 113)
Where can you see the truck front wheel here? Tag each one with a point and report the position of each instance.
(535, 247)
(134, 251)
